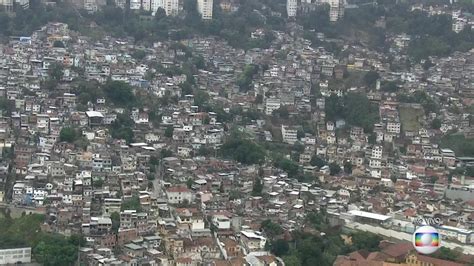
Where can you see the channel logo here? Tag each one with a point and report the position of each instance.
(426, 240)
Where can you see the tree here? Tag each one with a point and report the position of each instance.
(131, 204)
(289, 166)
(334, 169)
(201, 98)
(55, 72)
(359, 111)
(280, 247)
(446, 254)
(243, 150)
(365, 240)
(389, 86)
(115, 217)
(245, 79)
(436, 123)
(166, 153)
(317, 161)
(470, 171)
(292, 260)
(348, 167)
(139, 54)
(58, 44)
(6, 106)
(169, 132)
(271, 229)
(68, 134)
(98, 183)
(121, 128)
(119, 93)
(189, 182)
(370, 78)
(257, 187)
(282, 112)
(333, 107)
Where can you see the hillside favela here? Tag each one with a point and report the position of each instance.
(237, 132)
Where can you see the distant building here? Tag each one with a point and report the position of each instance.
(91, 6)
(336, 10)
(171, 7)
(291, 7)
(15, 255)
(272, 104)
(205, 8)
(6, 5)
(289, 135)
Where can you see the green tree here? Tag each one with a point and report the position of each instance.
(169, 132)
(271, 229)
(115, 217)
(68, 134)
(243, 150)
(245, 79)
(334, 169)
(139, 54)
(55, 72)
(370, 78)
(282, 112)
(280, 247)
(166, 153)
(292, 260)
(333, 107)
(317, 161)
(446, 254)
(119, 93)
(365, 240)
(289, 166)
(189, 182)
(257, 187)
(359, 111)
(131, 204)
(436, 123)
(348, 167)
(58, 44)
(121, 128)
(6, 106)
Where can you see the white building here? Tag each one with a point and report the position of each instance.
(393, 127)
(377, 152)
(91, 6)
(272, 104)
(177, 195)
(291, 7)
(336, 10)
(15, 255)
(205, 8)
(120, 3)
(171, 7)
(289, 135)
(135, 4)
(7, 5)
(221, 222)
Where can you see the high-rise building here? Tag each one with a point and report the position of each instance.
(91, 6)
(6, 5)
(25, 4)
(146, 5)
(171, 7)
(291, 7)
(336, 10)
(120, 3)
(135, 4)
(205, 8)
